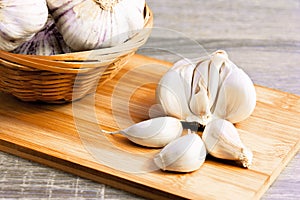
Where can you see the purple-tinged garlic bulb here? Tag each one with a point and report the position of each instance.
(93, 24)
(46, 42)
(20, 20)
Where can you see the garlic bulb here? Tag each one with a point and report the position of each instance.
(20, 20)
(222, 140)
(214, 87)
(185, 154)
(47, 42)
(92, 24)
(156, 132)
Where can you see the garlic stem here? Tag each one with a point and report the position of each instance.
(107, 4)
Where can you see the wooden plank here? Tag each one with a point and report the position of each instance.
(68, 137)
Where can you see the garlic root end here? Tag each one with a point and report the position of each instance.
(246, 157)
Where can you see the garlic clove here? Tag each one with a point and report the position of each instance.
(214, 67)
(218, 58)
(170, 94)
(185, 69)
(174, 90)
(222, 140)
(185, 154)
(156, 132)
(199, 104)
(200, 100)
(237, 97)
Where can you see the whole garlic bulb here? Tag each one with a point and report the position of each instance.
(92, 24)
(214, 87)
(47, 41)
(185, 154)
(20, 20)
(156, 132)
(222, 140)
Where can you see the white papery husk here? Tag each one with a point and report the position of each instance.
(89, 24)
(20, 20)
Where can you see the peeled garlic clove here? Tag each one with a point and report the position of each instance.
(20, 20)
(185, 154)
(222, 140)
(156, 132)
(237, 97)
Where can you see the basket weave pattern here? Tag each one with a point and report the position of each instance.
(51, 78)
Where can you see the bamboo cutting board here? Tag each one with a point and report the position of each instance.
(68, 137)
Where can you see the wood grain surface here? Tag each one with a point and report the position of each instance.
(68, 137)
(262, 37)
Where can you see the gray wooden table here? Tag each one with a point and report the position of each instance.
(262, 37)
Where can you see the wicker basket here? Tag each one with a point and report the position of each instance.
(51, 78)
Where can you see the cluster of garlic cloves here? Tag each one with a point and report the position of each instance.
(215, 93)
(214, 87)
(180, 152)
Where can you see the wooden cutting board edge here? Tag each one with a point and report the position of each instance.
(278, 170)
(83, 171)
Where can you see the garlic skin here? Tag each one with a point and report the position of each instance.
(156, 132)
(171, 91)
(174, 90)
(93, 24)
(222, 140)
(20, 20)
(185, 154)
(47, 41)
(236, 97)
(213, 87)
